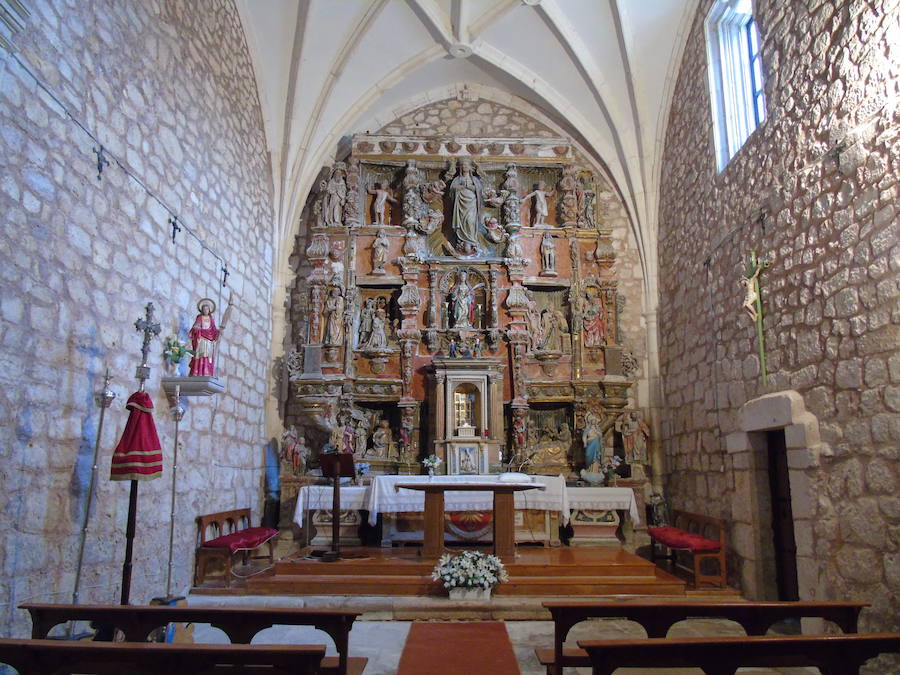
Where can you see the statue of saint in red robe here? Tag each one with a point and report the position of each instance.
(203, 339)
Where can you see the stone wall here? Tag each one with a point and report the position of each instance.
(814, 191)
(168, 87)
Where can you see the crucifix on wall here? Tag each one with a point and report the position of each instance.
(753, 306)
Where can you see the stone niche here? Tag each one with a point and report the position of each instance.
(478, 263)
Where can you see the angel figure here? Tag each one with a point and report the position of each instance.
(382, 196)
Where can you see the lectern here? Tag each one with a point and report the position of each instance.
(336, 465)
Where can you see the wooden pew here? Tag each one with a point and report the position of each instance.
(657, 618)
(46, 657)
(240, 624)
(831, 654)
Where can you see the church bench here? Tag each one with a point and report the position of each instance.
(703, 537)
(831, 654)
(233, 535)
(46, 657)
(240, 624)
(657, 618)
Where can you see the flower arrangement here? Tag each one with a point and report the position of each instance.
(611, 468)
(362, 468)
(469, 569)
(432, 462)
(175, 349)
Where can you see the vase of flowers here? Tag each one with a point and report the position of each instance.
(175, 352)
(611, 469)
(362, 468)
(469, 574)
(431, 463)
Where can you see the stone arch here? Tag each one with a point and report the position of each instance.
(751, 536)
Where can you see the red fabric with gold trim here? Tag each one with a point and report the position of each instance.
(138, 456)
(470, 521)
(244, 540)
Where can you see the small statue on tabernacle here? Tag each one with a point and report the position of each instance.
(379, 252)
(382, 196)
(203, 336)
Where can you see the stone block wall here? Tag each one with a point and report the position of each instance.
(168, 87)
(814, 191)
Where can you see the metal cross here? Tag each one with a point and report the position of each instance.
(150, 329)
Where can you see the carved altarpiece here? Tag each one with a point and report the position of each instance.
(443, 293)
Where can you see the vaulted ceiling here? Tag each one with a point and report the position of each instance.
(601, 71)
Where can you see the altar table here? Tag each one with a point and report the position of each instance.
(604, 499)
(319, 497)
(385, 498)
(504, 538)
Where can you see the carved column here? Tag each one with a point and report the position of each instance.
(440, 394)
(431, 335)
(409, 333)
(495, 381)
(517, 334)
(575, 305)
(351, 206)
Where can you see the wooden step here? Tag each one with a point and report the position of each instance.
(583, 586)
(325, 584)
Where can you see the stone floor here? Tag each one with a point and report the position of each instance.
(381, 632)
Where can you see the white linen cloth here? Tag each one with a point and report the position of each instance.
(604, 499)
(312, 497)
(385, 498)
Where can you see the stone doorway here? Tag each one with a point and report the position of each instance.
(796, 447)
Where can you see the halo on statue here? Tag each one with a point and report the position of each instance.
(206, 301)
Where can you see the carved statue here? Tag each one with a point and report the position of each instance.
(634, 437)
(592, 437)
(550, 338)
(466, 198)
(335, 195)
(382, 197)
(493, 231)
(514, 249)
(413, 208)
(548, 256)
(432, 191)
(378, 337)
(594, 318)
(539, 206)
(334, 318)
(379, 252)
(382, 438)
(336, 263)
(587, 199)
(293, 450)
(203, 335)
(366, 314)
(462, 299)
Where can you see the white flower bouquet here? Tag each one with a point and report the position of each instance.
(469, 569)
(432, 462)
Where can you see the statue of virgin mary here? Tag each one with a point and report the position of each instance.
(466, 196)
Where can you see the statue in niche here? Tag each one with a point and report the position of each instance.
(533, 317)
(594, 318)
(462, 299)
(587, 199)
(379, 251)
(433, 191)
(293, 450)
(335, 190)
(382, 197)
(494, 233)
(366, 315)
(548, 256)
(361, 435)
(378, 337)
(336, 263)
(539, 205)
(509, 213)
(550, 441)
(634, 437)
(592, 437)
(466, 197)
(334, 318)
(382, 439)
(550, 337)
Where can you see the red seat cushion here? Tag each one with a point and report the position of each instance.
(243, 540)
(675, 538)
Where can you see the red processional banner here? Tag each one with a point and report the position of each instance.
(139, 454)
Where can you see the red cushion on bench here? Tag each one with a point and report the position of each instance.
(675, 538)
(243, 540)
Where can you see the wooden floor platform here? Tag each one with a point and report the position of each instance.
(537, 571)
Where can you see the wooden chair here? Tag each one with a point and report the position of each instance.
(702, 537)
(232, 534)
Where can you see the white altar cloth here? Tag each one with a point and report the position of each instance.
(605, 499)
(385, 498)
(312, 497)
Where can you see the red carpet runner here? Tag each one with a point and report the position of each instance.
(462, 648)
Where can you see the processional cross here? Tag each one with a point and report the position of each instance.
(753, 306)
(150, 329)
